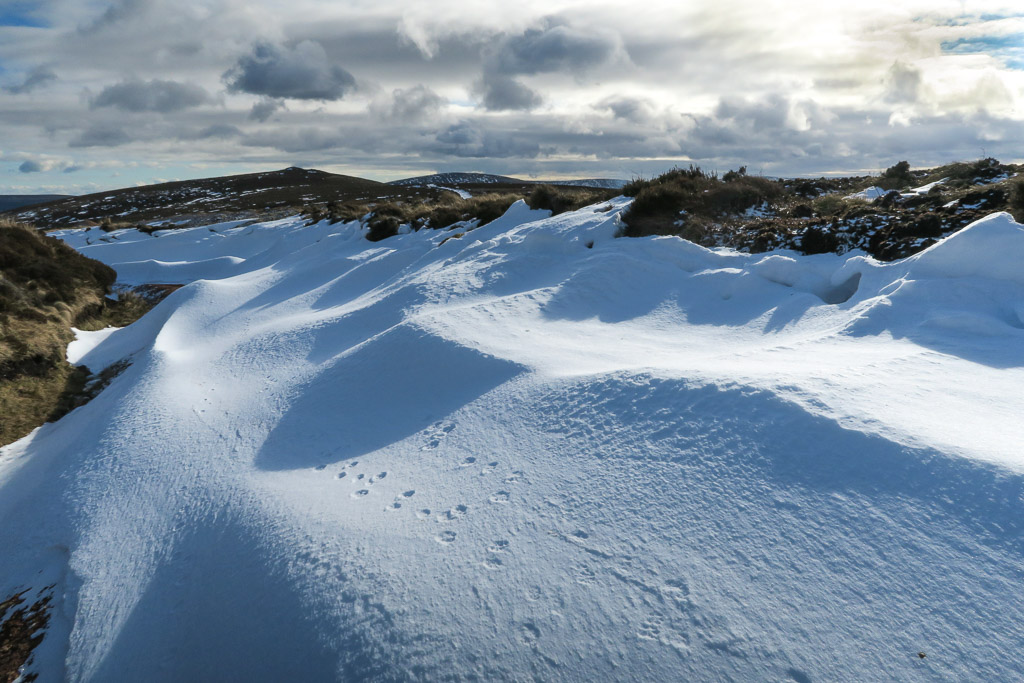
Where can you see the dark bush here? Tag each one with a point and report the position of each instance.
(1015, 201)
(735, 175)
(382, 227)
(888, 200)
(818, 241)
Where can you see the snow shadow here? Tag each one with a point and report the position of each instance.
(386, 390)
(751, 435)
(218, 608)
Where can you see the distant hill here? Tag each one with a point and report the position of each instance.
(16, 201)
(459, 179)
(478, 180)
(226, 197)
(603, 183)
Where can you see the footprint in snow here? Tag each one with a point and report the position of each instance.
(361, 493)
(500, 497)
(467, 462)
(423, 513)
(394, 506)
(342, 475)
(498, 546)
(457, 512)
(410, 493)
(446, 537)
(374, 479)
(439, 430)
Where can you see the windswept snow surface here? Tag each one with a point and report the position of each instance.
(537, 452)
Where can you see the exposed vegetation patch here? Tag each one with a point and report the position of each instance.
(21, 631)
(824, 215)
(46, 287)
(386, 218)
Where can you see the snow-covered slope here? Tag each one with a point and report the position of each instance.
(536, 452)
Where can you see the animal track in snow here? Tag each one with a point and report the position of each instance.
(498, 546)
(467, 462)
(360, 493)
(438, 431)
(529, 633)
(409, 493)
(446, 537)
(423, 513)
(456, 512)
(493, 562)
(374, 479)
(500, 497)
(342, 475)
(514, 477)
(650, 629)
(394, 506)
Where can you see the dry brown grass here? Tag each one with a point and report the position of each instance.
(45, 288)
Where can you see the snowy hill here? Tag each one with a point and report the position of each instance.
(534, 452)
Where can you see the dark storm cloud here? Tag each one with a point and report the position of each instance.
(153, 96)
(101, 135)
(553, 48)
(504, 93)
(31, 167)
(36, 78)
(302, 73)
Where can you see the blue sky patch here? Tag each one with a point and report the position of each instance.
(1010, 49)
(21, 14)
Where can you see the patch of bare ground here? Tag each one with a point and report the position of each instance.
(22, 629)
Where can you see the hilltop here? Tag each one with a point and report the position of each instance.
(224, 198)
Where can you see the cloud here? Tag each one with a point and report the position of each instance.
(151, 96)
(101, 135)
(116, 12)
(409, 105)
(36, 78)
(31, 166)
(301, 73)
(466, 139)
(217, 130)
(504, 93)
(632, 109)
(264, 109)
(554, 48)
(902, 84)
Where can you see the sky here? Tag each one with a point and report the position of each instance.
(99, 94)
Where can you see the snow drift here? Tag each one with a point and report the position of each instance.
(535, 452)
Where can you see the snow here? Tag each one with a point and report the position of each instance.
(536, 452)
(86, 341)
(462, 193)
(872, 193)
